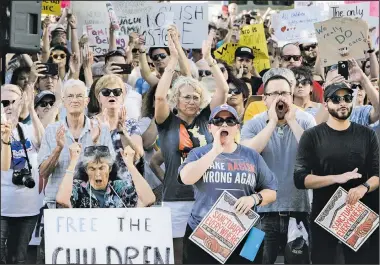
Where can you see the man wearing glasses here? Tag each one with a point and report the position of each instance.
(338, 153)
(275, 134)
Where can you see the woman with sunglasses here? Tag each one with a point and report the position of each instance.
(61, 56)
(95, 182)
(303, 90)
(180, 132)
(20, 199)
(223, 157)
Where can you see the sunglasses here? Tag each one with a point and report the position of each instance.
(6, 103)
(230, 121)
(44, 104)
(307, 48)
(101, 149)
(337, 99)
(203, 73)
(56, 56)
(234, 91)
(303, 82)
(107, 92)
(355, 86)
(160, 55)
(287, 58)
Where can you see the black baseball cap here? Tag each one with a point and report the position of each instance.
(41, 95)
(333, 88)
(244, 52)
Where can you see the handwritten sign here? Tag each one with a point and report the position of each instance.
(351, 224)
(323, 5)
(224, 226)
(340, 39)
(374, 6)
(353, 10)
(226, 52)
(51, 7)
(98, 39)
(108, 236)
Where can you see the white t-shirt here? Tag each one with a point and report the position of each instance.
(18, 200)
(133, 103)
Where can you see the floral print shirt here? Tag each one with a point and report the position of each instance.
(118, 194)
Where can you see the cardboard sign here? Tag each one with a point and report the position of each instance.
(51, 7)
(351, 224)
(340, 39)
(374, 7)
(296, 25)
(353, 10)
(221, 230)
(323, 5)
(98, 39)
(226, 52)
(108, 236)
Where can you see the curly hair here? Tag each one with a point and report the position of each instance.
(187, 81)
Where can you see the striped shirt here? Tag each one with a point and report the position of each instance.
(49, 143)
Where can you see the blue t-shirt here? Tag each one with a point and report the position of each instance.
(361, 115)
(241, 173)
(142, 86)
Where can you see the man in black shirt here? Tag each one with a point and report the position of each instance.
(332, 154)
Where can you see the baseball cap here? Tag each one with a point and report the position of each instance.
(244, 51)
(224, 107)
(285, 73)
(59, 28)
(331, 89)
(41, 95)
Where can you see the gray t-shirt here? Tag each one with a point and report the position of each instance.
(176, 140)
(280, 156)
(241, 173)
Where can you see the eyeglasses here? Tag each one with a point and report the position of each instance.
(160, 55)
(203, 73)
(287, 58)
(278, 93)
(101, 149)
(187, 99)
(6, 103)
(43, 104)
(234, 91)
(56, 56)
(79, 96)
(107, 92)
(307, 48)
(230, 121)
(223, 69)
(355, 86)
(337, 99)
(303, 82)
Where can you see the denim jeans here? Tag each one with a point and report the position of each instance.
(16, 233)
(275, 226)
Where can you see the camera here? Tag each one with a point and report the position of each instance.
(23, 177)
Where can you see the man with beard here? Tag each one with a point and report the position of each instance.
(275, 134)
(309, 53)
(244, 66)
(332, 154)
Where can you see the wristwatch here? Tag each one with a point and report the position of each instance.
(365, 184)
(260, 198)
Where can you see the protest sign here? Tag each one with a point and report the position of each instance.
(108, 236)
(221, 230)
(98, 39)
(296, 25)
(226, 52)
(353, 10)
(340, 39)
(323, 5)
(374, 6)
(351, 224)
(253, 36)
(51, 7)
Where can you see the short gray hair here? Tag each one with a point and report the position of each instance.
(73, 82)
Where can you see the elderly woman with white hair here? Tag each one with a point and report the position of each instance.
(20, 200)
(182, 125)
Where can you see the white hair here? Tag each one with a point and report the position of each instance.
(73, 82)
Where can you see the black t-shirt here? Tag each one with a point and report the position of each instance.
(256, 82)
(177, 139)
(324, 151)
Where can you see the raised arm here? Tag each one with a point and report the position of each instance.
(221, 91)
(146, 73)
(112, 41)
(183, 61)
(38, 128)
(45, 49)
(74, 34)
(162, 110)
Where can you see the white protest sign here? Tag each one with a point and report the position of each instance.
(352, 10)
(340, 39)
(324, 5)
(98, 39)
(373, 23)
(108, 236)
(296, 25)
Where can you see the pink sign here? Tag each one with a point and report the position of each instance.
(373, 8)
(65, 3)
